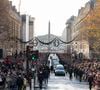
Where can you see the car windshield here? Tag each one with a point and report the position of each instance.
(56, 62)
(59, 68)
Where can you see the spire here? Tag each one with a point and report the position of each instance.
(49, 28)
(19, 5)
(49, 31)
(48, 36)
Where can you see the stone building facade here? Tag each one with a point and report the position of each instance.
(81, 45)
(86, 29)
(10, 29)
(27, 31)
(69, 28)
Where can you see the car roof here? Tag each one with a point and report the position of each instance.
(59, 65)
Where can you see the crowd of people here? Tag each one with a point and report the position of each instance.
(86, 70)
(14, 76)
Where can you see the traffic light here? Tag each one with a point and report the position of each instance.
(34, 55)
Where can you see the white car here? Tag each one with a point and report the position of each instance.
(59, 70)
(55, 63)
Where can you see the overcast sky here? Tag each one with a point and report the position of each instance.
(57, 11)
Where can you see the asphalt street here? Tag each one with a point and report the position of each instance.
(63, 83)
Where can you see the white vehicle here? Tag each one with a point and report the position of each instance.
(53, 60)
(55, 63)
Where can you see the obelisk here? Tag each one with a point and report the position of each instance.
(48, 36)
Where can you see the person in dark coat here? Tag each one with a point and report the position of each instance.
(20, 82)
(2, 82)
(40, 77)
(46, 73)
(90, 80)
(70, 71)
(80, 75)
(13, 82)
